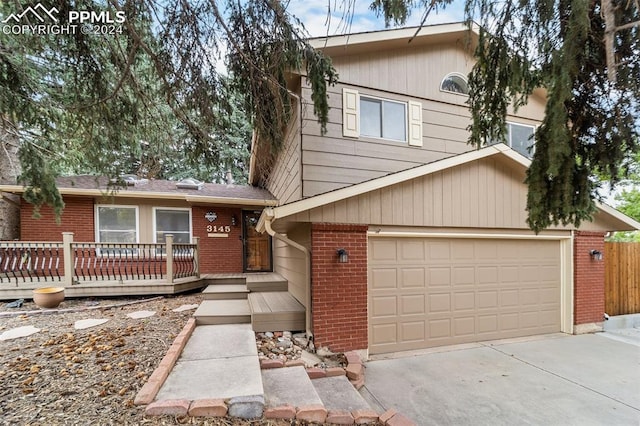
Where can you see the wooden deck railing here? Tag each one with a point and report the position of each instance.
(622, 278)
(73, 262)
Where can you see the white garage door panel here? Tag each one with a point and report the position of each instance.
(429, 292)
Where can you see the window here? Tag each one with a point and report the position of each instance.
(455, 83)
(116, 224)
(520, 138)
(383, 119)
(373, 117)
(174, 221)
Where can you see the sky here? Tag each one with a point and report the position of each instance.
(315, 16)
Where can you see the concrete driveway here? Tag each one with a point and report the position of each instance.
(556, 379)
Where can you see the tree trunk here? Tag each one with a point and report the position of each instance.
(9, 170)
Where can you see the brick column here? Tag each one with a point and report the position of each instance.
(339, 290)
(588, 298)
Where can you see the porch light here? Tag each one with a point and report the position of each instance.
(343, 255)
(595, 254)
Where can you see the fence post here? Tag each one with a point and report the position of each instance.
(169, 257)
(67, 239)
(196, 257)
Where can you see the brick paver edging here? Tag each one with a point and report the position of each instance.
(150, 389)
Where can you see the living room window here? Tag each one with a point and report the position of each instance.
(374, 117)
(174, 221)
(116, 224)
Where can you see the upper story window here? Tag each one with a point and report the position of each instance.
(384, 119)
(455, 83)
(375, 117)
(520, 138)
(116, 224)
(174, 221)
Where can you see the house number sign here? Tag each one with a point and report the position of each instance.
(220, 228)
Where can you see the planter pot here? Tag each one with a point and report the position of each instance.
(48, 297)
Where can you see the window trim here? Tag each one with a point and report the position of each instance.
(456, 74)
(382, 100)
(154, 224)
(118, 206)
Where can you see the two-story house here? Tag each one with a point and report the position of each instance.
(398, 235)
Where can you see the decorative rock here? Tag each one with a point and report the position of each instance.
(208, 408)
(384, 417)
(355, 371)
(267, 364)
(310, 360)
(287, 412)
(301, 341)
(362, 417)
(284, 344)
(268, 334)
(312, 413)
(183, 308)
(18, 332)
(316, 373)
(169, 407)
(295, 363)
(286, 335)
(335, 371)
(324, 352)
(141, 314)
(246, 407)
(88, 323)
(400, 420)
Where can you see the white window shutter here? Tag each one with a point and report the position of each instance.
(415, 123)
(350, 113)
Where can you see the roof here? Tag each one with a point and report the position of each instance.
(92, 186)
(622, 222)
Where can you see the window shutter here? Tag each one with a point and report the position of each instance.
(415, 123)
(350, 113)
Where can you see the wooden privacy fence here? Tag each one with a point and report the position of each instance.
(622, 278)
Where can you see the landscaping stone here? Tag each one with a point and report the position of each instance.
(316, 373)
(335, 371)
(208, 408)
(168, 407)
(141, 314)
(358, 383)
(362, 417)
(246, 407)
(324, 352)
(183, 308)
(400, 420)
(18, 332)
(384, 417)
(355, 371)
(353, 357)
(88, 323)
(310, 360)
(295, 363)
(266, 364)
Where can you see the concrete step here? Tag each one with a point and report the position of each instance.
(225, 292)
(276, 311)
(219, 362)
(223, 279)
(233, 311)
(268, 281)
(288, 386)
(338, 394)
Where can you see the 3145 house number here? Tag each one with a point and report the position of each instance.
(216, 228)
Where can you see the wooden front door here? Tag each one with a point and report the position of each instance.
(257, 246)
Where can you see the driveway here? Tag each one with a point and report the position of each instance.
(556, 379)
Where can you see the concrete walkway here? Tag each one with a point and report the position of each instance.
(553, 380)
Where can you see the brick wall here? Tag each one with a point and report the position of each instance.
(77, 217)
(588, 301)
(339, 290)
(218, 255)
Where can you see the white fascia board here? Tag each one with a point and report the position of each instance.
(619, 215)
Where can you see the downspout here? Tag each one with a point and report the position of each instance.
(268, 218)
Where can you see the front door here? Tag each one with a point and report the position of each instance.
(257, 246)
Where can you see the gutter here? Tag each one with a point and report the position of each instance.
(264, 224)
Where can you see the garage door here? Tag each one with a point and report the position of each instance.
(426, 292)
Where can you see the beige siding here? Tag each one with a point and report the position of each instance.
(285, 179)
(485, 193)
(290, 263)
(332, 161)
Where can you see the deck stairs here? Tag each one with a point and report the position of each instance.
(259, 299)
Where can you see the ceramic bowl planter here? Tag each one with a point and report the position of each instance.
(48, 297)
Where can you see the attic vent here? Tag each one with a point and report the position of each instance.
(190, 183)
